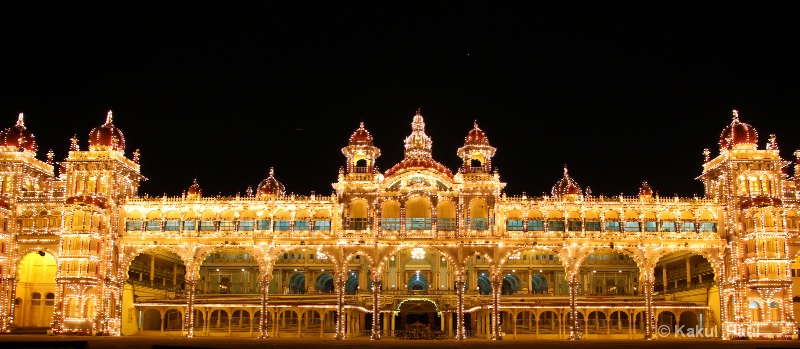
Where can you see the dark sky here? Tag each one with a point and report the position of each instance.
(220, 91)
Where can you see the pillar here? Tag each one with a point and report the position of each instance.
(688, 272)
(263, 325)
(189, 318)
(497, 288)
(460, 285)
(573, 297)
(648, 302)
(340, 323)
(152, 268)
(376, 309)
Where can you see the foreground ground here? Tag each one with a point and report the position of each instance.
(142, 342)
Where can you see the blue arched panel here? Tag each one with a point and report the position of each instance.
(297, 283)
(417, 283)
(539, 284)
(484, 285)
(324, 283)
(511, 284)
(351, 285)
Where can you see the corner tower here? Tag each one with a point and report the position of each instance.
(98, 180)
(748, 182)
(30, 199)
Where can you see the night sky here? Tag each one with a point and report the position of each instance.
(221, 91)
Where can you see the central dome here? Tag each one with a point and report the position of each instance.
(565, 186)
(418, 151)
(270, 186)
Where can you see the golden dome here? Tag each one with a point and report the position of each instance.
(270, 186)
(565, 186)
(645, 189)
(194, 190)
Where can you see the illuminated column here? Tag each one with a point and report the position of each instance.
(497, 288)
(10, 287)
(403, 216)
(648, 285)
(152, 269)
(434, 219)
(573, 300)
(460, 288)
(190, 288)
(263, 328)
(340, 283)
(688, 272)
(664, 277)
(376, 310)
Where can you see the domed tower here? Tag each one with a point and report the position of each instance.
(270, 187)
(418, 145)
(107, 136)
(738, 135)
(748, 182)
(476, 152)
(566, 188)
(21, 173)
(645, 190)
(103, 170)
(360, 152)
(18, 138)
(194, 191)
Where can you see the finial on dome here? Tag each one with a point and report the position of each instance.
(565, 170)
(361, 124)
(109, 116)
(419, 110)
(272, 172)
(475, 123)
(50, 157)
(20, 121)
(73, 145)
(735, 115)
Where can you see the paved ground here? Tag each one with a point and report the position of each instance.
(143, 342)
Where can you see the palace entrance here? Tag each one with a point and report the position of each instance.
(419, 319)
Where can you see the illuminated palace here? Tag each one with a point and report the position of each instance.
(417, 251)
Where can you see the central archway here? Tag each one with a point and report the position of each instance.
(417, 314)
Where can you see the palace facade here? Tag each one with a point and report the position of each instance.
(417, 251)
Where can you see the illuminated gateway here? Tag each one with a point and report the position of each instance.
(418, 250)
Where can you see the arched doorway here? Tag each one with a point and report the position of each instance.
(419, 314)
(35, 291)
